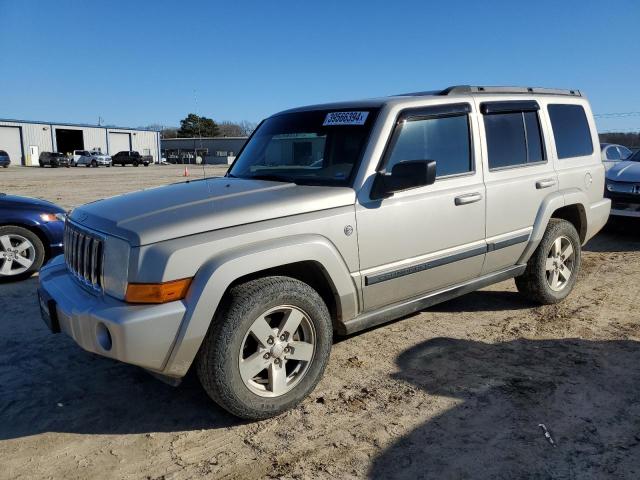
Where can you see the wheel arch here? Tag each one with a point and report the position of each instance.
(568, 205)
(36, 230)
(309, 258)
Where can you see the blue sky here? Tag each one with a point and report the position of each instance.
(140, 62)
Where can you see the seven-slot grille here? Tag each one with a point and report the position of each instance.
(83, 254)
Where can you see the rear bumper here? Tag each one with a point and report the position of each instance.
(141, 335)
(597, 217)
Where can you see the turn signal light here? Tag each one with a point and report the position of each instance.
(157, 292)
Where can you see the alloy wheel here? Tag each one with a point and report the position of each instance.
(277, 350)
(560, 263)
(17, 254)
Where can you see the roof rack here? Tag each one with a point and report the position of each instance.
(460, 89)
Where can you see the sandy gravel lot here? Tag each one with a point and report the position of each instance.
(457, 391)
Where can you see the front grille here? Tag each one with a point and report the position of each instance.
(83, 254)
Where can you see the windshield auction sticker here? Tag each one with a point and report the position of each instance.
(345, 118)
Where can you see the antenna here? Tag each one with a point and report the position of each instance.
(195, 151)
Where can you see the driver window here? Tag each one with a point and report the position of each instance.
(443, 139)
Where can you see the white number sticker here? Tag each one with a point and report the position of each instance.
(345, 118)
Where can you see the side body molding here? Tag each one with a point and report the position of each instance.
(215, 276)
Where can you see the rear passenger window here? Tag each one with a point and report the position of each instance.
(570, 130)
(443, 139)
(513, 139)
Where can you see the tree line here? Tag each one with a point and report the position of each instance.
(630, 140)
(194, 126)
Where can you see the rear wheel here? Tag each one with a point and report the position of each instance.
(553, 268)
(21, 252)
(267, 347)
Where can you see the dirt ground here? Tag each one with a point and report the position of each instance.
(456, 391)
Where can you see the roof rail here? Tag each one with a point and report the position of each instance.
(460, 89)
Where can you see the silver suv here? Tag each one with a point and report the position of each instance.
(333, 218)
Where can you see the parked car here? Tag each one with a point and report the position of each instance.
(53, 159)
(334, 217)
(5, 161)
(90, 159)
(131, 158)
(623, 187)
(613, 153)
(31, 232)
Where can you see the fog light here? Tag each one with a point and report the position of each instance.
(103, 336)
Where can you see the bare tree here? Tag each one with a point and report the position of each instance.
(247, 127)
(230, 129)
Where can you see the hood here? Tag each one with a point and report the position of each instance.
(14, 201)
(624, 171)
(182, 209)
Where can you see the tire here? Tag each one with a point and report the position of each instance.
(94, 164)
(543, 281)
(219, 361)
(18, 270)
(41, 164)
(135, 163)
(146, 164)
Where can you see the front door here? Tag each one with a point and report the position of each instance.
(427, 238)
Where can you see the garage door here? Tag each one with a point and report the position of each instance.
(119, 142)
(10, 143)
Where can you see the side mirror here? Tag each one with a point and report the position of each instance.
(404, 175)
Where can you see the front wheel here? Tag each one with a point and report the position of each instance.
(267, 347)
(21, 252)
(553, 268)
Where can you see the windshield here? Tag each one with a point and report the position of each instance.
(321, 147)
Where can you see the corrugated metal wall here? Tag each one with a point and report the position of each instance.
(42, 137)
(146, 143)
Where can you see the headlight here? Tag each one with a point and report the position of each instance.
(609, 187)
(115, 271)
(53, 217)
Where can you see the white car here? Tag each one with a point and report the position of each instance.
(90, 159)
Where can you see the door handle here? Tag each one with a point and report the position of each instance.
(546, 183)
(468, 198)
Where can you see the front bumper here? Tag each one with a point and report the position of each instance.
(624, 204)
(625, 210)
(141, 335)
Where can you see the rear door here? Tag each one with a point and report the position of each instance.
(518, 175)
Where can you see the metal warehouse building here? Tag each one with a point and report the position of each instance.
(24, 141)
(208, 149)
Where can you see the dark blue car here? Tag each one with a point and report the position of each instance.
(31, 232)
